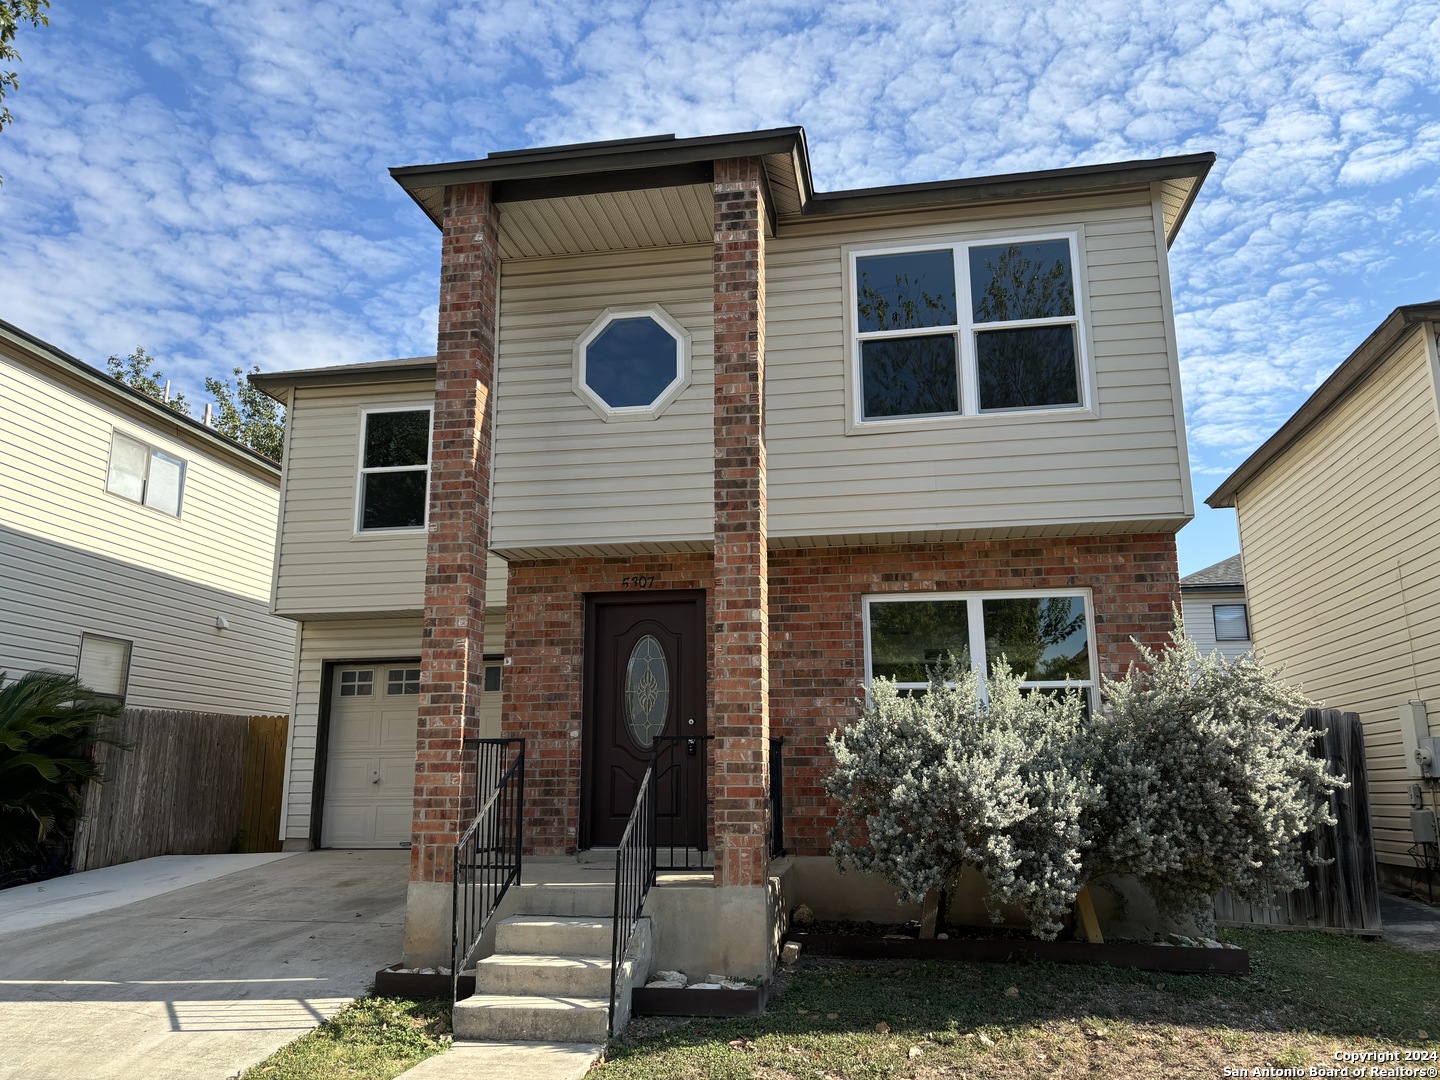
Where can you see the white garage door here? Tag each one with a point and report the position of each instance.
(370, 765)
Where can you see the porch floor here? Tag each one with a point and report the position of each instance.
(567, 870)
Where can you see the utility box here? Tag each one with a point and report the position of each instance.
(1422, 824)
(1414, 727)
(1427, 756)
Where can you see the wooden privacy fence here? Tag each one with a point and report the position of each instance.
(1344, 893)
(190, 784)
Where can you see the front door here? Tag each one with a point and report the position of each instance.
(645, 680)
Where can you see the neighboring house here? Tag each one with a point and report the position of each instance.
(1212, 605)
(1339, 515)
(137, 544)
(702, 451)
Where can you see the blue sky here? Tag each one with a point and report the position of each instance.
(208, 178)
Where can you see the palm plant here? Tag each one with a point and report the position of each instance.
(48, 722)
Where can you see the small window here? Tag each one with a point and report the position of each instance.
(1046, 637)
(492, 678)
(104, 665)
(357, 683)
(1232, 622)
(966, 328)
(402, 681)
(632, 364)
(145, 475)
(394, 469)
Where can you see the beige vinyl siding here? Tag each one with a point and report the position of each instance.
(345, 641)
(326, 568)
(53, 473)
(1342, 560)
(565, 477)
(1198, 610)
(1037, 470)
(179, 659)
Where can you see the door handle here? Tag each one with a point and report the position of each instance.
(374, 776)
(690, 747)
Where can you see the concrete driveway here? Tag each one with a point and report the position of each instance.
(198, 982)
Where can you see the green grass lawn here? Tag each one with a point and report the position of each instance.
(372, 1039)
(1307, 997)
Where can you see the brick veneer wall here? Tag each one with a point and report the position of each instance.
(452, 645)
(817, 645)
(740, 775)
(817, 642)
(543, 685)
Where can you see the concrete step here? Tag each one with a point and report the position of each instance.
(554, 935)
(577, 976)
(533, 1018)
(595, 901)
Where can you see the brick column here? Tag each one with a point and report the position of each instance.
(740, 720)
(459, 538)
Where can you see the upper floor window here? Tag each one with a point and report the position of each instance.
(394, 468)
(1231, 622)
(1045, 636)
(967, 328)
(145, 475)
(630, 365)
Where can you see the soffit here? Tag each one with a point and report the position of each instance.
(607, 221)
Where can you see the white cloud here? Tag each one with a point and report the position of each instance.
(213, 185)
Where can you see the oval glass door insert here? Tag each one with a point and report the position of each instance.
(647, 691)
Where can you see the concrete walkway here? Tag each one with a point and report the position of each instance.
(1409, 923)
(198, 982)
(513, 1061)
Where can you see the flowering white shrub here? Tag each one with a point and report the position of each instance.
(932, 782)
(1207, 781)
(1194, 778)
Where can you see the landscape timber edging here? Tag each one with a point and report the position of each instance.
(687, 1001)
(1172, 958)
(418, 986)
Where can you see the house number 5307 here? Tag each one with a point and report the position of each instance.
(639, 581)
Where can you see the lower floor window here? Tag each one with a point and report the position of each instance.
(1043, 636)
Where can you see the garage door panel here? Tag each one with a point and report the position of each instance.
(397, 775)
(393, 821)
(348, 824)
(396, 730)
(350, 776)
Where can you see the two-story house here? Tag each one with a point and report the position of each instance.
(1339, 517)
(701, 451)
(136, 544)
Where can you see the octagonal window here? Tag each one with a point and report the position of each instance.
(632, 364)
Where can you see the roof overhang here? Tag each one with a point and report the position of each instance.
(278, 384)
(1179, 177)
(25, 346)
(566, 199)
(617, 165)
(1330, 394)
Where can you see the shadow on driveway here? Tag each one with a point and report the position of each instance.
(203, 981)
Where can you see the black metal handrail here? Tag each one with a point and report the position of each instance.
(777, 797)
(682, 832)
(634, 875)
(492, 757)
(487, 863)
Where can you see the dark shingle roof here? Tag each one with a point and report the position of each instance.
(1225, 572)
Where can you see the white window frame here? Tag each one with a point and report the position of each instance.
(677, 386)
(366, 411)
(151, 450)
(1215, 619)
(964, 330)
(129, 649)
(979, 662)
